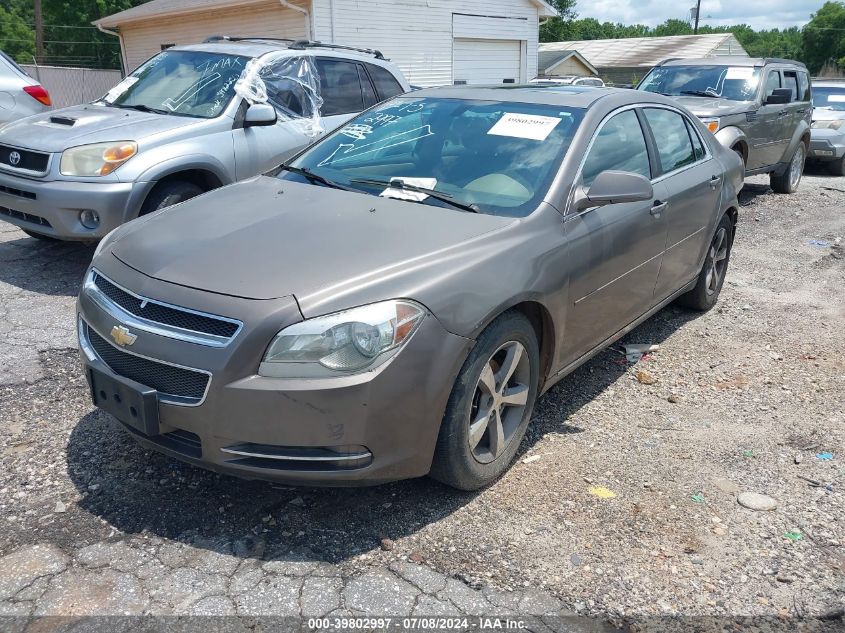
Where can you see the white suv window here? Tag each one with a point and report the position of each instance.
(340, 86)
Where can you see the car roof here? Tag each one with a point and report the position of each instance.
(730, 60)
(569, 96)
(259, 47)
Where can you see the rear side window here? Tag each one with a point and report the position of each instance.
(772, 82)
(790, 80)
(804, 87)
(370, 98)
(619, 145)
(385, 82)
(340, 87)
(697, 145)
(672, 138)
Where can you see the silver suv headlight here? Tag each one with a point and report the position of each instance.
(343, 342)
(99, 159)
(834, 124)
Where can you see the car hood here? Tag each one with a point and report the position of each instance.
(58, 130)
(267, 238)
(823, 114)
(710, 107)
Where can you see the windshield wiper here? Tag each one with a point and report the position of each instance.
(141, 108)
(401, 185)
(700, 93)
(310, 175)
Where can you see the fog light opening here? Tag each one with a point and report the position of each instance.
(89, 219)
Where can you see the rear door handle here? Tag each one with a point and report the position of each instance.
(783, 112)
(714, 181)
(659, 207)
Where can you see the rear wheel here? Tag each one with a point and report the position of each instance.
(490, 405)
(837, 167)
(168, 193)
(788, 181)
(712, 276)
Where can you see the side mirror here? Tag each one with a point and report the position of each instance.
(614, 187)
(779, 96)
(260, 115)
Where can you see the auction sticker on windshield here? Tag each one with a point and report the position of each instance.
(120, 88)
(740, 72)
(530, 126)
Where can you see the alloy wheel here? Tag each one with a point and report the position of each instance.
(717, 260)
(796, 168)
(498, 404)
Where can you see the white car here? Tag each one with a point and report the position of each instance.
(20, 94)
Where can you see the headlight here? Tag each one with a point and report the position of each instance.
(348, 341)
(712, 124)
(99, 159)
(834, 124)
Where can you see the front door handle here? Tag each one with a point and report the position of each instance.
(658, 208)
(783, 112)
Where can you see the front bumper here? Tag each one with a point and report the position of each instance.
(347, 430)
(52, 207)
(827, 144)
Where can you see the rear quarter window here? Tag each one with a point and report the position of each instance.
(386, 84)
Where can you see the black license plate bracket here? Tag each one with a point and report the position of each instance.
(130, 402)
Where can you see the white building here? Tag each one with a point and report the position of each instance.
(433, 41)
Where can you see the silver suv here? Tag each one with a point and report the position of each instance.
(190, 119)
(760, 108)
(828, 135)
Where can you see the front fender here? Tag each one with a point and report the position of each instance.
(730, 135)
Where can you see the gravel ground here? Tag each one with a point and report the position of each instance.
(746, 398)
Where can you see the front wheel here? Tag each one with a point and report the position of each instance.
(712, 276)
(490, 405)
(789, 180)
(166, 194)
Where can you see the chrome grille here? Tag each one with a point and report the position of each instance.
(168, 380)
(209, 329)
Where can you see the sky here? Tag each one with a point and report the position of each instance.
(759, 14)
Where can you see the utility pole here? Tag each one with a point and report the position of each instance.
(39, 33)
(697, 14)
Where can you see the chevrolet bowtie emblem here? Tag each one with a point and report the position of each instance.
(122, 336)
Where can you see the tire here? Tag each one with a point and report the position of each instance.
(471, 460)
(837, 167)
(710, 280)
(40, 236)
(168, 193)
(788, 181)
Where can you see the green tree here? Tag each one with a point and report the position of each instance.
(823, 37)
(17, 38)
(557, 29)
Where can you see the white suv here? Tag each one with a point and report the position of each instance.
(188, 120)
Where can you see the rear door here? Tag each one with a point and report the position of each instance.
(766, 131)
(617, 249)
(341, 89)
(800, 107)
(693, 179)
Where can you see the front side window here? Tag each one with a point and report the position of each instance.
(340, 87)
(183, 83)
(772, 82)
(736, 83)
(498, 156)
(386, 83)
(620, 146)
(829, 97)
(790, 80)
(671, 136)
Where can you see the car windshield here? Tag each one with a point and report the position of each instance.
(497, 158)
(187, 83)
(736, 83)
(830, 97)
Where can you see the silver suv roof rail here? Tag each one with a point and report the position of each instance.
(303, 44)
(781, 60)
(230, 38)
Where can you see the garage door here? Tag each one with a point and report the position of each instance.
(487, 61)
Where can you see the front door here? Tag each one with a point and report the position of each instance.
(616, 250)
(693, 179)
